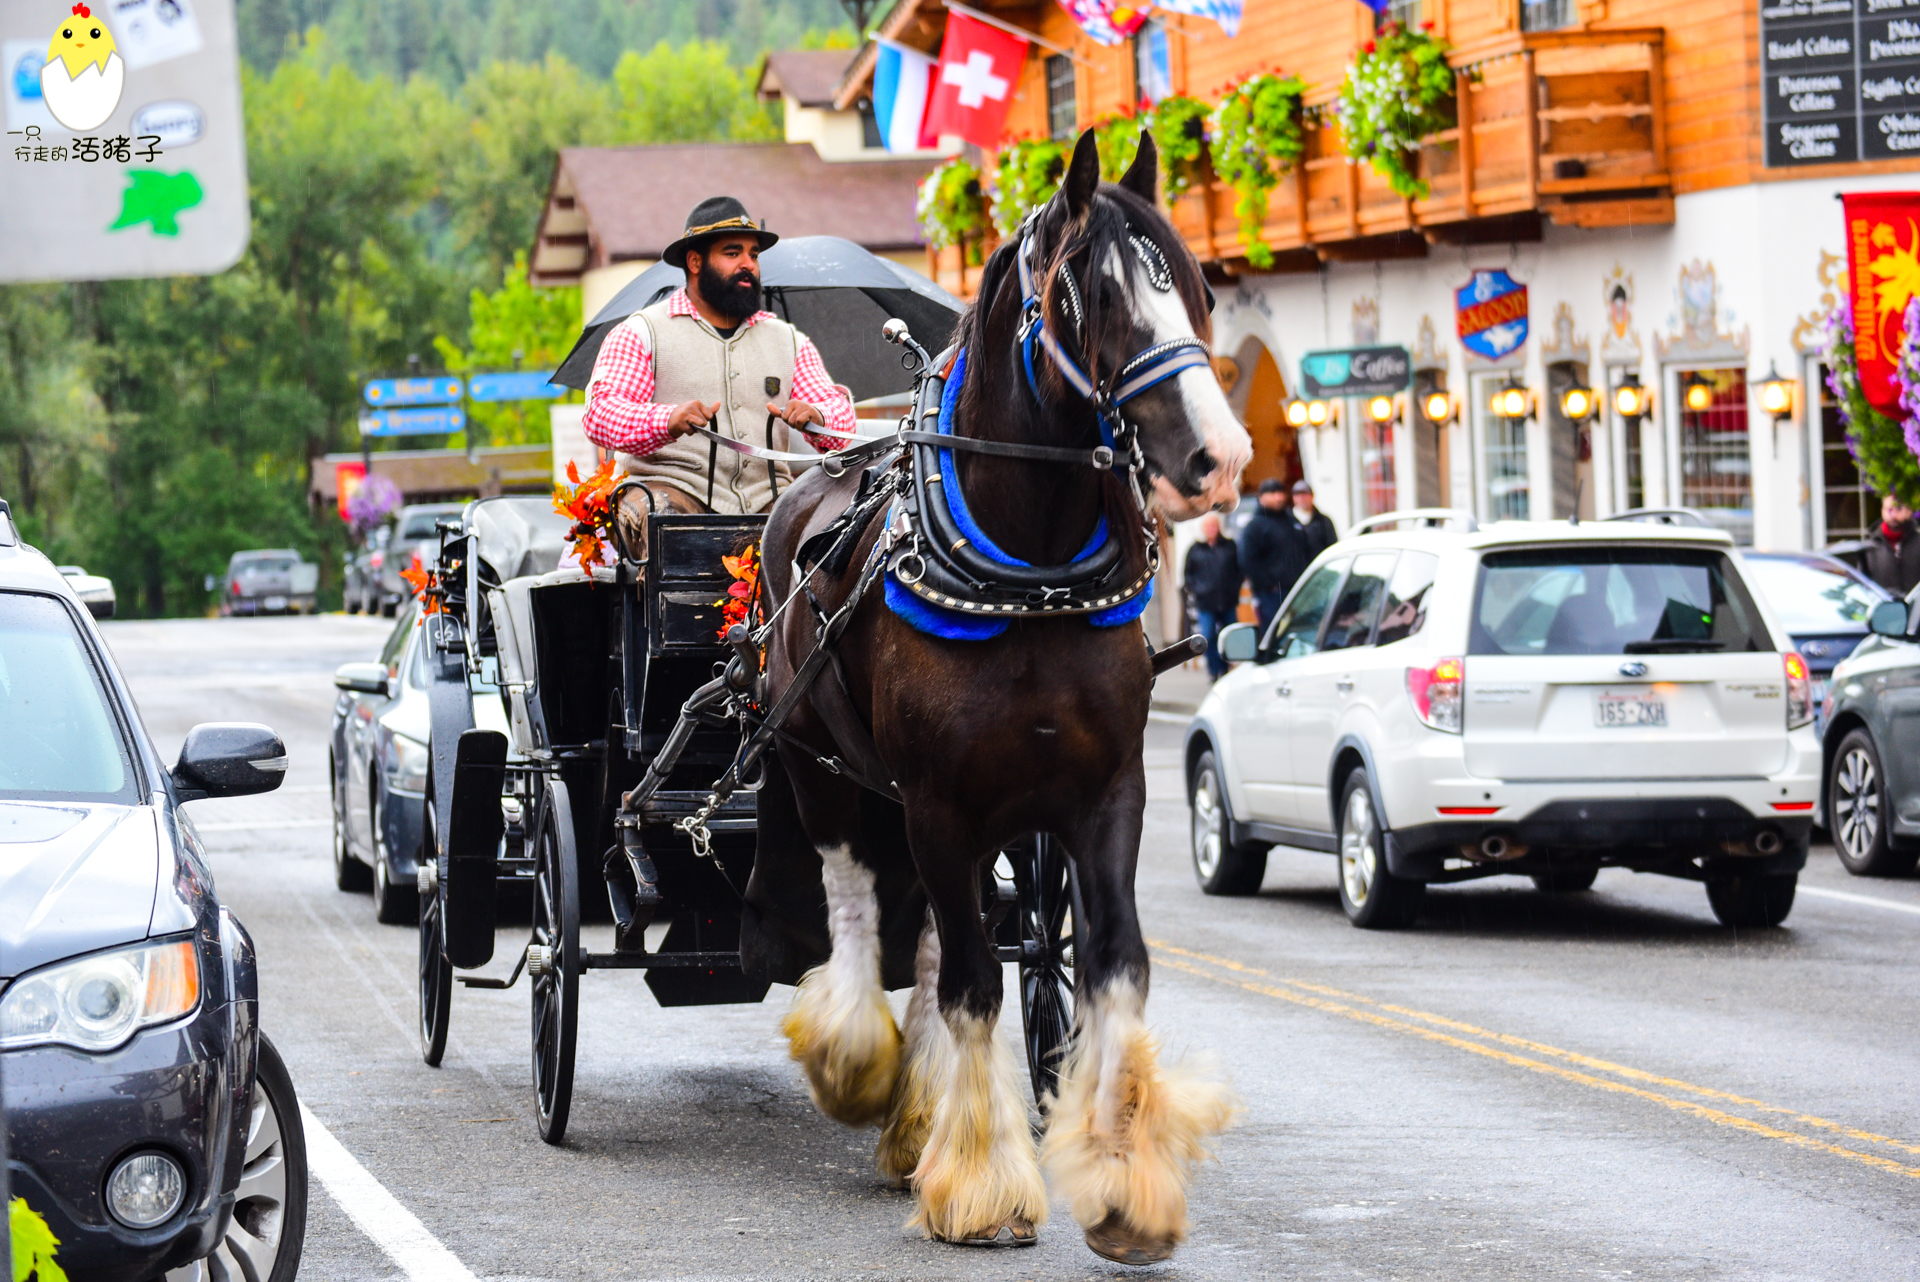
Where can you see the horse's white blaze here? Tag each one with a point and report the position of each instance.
(1202, 403)
(1124, 1132)
(928, 1053)
(979, 1170)
(840, 1028)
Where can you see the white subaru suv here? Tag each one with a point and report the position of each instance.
(1438, 702)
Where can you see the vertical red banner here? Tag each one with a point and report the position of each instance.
(346, 479)
(1883, 275)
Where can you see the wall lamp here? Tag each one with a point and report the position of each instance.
(1439, 408)
(1382, 409)
(1631, 400)
(1315, 413)
(1697, 392)
(1578, 403)
(1514, 401)
(1776, 394)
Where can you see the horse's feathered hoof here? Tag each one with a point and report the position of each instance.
(1114, 1239)
(1011, 1233)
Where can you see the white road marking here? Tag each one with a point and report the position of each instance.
(1870, 901)
(262, 823)
(378, 1213)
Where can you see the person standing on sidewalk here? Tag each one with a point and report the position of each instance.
(1315, 529)
(1273, 553)
(1892, 557)
(1212, 577)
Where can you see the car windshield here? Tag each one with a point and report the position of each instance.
(59, 740)
(265, 565)
(1810, 596)
(1624, 600)
(420, 525)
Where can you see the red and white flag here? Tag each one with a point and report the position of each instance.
(979, 69)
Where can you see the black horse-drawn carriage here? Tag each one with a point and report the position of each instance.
(595, 668)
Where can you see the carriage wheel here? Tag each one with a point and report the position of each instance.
(1049, 915)
(436, 973)
(556, 986)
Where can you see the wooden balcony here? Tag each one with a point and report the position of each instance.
(1563, 125)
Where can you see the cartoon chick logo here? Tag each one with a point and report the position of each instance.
(83, 75)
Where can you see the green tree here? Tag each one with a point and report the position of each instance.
(514, 327)
(687, 93)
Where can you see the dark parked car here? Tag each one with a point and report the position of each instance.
(150, 1123)
(1823, 602)
(360, 590)
(1872, 749)
(272, 581)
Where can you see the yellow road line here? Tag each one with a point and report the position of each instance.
(1714, 1115)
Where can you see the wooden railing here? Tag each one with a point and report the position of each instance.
(1569, 125)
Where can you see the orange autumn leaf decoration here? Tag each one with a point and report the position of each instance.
(588, 504)
(743, 591)
(425, 584)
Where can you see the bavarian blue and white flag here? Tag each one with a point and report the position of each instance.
(901, 79)
(1224, 12)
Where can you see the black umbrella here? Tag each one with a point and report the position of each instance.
(835, 292)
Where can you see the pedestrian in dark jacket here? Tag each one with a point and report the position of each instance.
(1893, 549)
(1273, 554)
(1314, 526)
(1212, 577)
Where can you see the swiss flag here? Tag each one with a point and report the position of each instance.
(979, 68)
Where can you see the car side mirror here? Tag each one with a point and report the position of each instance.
(229, 759)
(362, 678)
(1889, 619)
(1239, 642)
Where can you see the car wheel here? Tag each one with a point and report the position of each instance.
(394, 903)
(349, 874)
(1374, 898)
(1752, 900)
(350, 600)
(269, 1225)
(1857, 812)
(389, 608)
(1565, 881)
(1222, 867)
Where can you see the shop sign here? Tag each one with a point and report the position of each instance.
(1490, 313)
(1356, 371)
(1840, 80)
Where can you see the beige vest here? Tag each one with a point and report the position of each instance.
(692, 362)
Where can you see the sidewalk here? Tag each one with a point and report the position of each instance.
(1181, 690)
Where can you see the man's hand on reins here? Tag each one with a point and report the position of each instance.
(797, 414)
(689, 416)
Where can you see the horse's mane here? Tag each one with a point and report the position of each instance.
(988, 326)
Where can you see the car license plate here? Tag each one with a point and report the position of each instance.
(1629, 710)
(274, 603)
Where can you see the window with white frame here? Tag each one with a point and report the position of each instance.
(1716, 469)
(1548, 15)
(1503, 454)
(1152, 69)
(1062, 110)
(1848, 504)
(1411, 14)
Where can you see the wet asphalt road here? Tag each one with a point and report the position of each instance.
(1602, 1085)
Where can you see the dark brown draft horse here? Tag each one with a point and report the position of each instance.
(1036, 730)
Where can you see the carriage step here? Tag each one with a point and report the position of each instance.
(649, 961)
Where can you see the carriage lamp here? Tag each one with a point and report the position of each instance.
(1513, 401)
(1381, 409)
(1438, 407)
(1776, 394)
(1296, 413)
(1321, 413)
(1631, 400)
(1698, 393)
(1577, 403)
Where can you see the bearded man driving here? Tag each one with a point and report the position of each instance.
(708, 357)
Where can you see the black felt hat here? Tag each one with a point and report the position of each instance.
(714, 216)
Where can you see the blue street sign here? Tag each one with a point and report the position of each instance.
(412, 391)
(413, 422)
(527, 385)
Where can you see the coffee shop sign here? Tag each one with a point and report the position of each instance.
(1356, 371)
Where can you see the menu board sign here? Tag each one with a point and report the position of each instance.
(1841, 80)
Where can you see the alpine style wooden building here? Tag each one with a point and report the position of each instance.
(1651, 184)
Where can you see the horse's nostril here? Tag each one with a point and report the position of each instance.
(1201, 463)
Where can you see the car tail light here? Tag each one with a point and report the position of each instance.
(236, 587)
(1799, 691)
(1437, 693)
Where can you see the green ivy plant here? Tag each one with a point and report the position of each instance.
(1256, 138)
(1179, 125)
(1025, 176)
(951, 206)
(1399, 91)
(1884, 451)
(1117, 139)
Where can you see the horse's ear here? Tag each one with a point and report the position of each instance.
(1083, 176)
(1143, 175)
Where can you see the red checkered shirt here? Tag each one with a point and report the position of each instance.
(622, 414)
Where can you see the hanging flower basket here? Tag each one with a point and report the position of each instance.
(1398, 93)
(951, 206)
(1025, 175)
(1179, 125)
(1887, 451)
(1256, 137)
